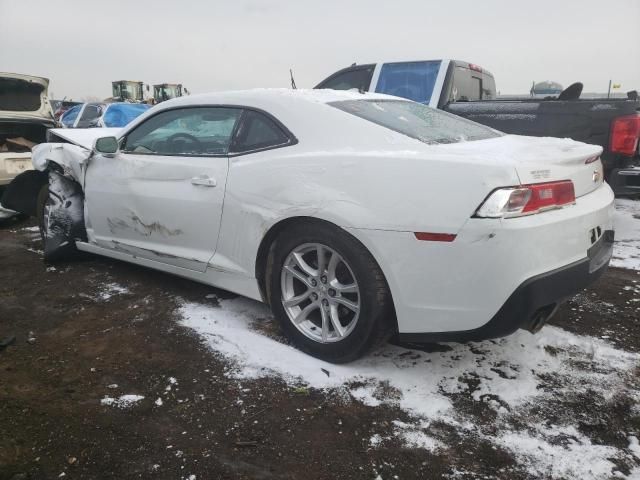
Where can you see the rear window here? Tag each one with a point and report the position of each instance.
(417, 121)
(470, 85)
(412, 80)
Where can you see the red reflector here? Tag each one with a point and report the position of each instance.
(435, 237)
(624, 135)
(548, 195)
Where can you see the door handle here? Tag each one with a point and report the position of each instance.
(204, 180)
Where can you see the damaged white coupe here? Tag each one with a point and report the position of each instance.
(354, 216)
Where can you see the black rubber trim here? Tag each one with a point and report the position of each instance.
(536, 296)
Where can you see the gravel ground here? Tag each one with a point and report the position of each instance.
(109, 377)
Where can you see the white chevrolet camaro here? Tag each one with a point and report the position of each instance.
(354, 216)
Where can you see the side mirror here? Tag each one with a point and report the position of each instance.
(108, 146)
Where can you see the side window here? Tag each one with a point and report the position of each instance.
(467, 86)
(257, 131)
(89, 116)
(185, 131)
(70, 116)
(356, 78)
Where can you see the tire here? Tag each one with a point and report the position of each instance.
(369, 319)
(54, 250)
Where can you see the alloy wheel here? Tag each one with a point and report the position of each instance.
(320, 293)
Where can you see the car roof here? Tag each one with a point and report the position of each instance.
(283, 103)
(268, 96)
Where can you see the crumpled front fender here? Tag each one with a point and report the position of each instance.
(69, 157)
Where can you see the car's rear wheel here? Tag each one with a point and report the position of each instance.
(328, 292)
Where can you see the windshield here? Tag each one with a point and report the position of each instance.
(166, 92)
(127, 90)
(412, 80)
(417, 121)
(120, 114)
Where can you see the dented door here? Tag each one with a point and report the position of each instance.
(161, 196)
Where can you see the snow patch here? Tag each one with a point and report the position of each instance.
(366, 395)
(505, 374)
(634, 446)
(124, 401)
(109, 290)
(375, 441)
(507, 368)
(414, 436)
(560, 453)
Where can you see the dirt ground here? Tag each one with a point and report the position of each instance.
(75, 344)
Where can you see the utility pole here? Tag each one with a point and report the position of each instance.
(609, 91)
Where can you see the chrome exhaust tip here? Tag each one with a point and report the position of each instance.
(540, 318)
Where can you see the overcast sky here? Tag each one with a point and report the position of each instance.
(82, 45)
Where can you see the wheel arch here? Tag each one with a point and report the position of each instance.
(263, 256)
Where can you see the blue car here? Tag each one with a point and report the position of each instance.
(89, 115)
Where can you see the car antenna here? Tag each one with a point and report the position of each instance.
(293, 82)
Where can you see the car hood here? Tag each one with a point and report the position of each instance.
(84, 137)
(24, 97)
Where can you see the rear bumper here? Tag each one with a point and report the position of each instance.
(459, 286)
(535, 300)
(625, 181)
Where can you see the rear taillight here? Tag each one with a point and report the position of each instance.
(625, 132)
(527, 199)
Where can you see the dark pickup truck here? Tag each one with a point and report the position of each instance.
(469, 91)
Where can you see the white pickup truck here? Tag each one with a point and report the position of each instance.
(25, 116)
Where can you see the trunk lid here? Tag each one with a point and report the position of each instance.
(24, 97)
(539, 159)
(546, 159)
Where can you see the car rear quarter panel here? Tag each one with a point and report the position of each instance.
(403, 192)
